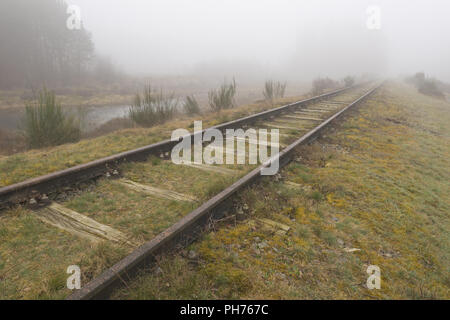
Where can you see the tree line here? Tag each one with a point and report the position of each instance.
(37, 47)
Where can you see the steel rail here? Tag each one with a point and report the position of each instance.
(185, 229)
(21, 192)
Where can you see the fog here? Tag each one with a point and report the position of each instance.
(262, 38)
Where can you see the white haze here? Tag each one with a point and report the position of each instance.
(280, 38)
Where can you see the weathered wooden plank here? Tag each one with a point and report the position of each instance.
(216, 169)
(157, 192)
(310, 113)
(261, 143)
(271, 225)
(80, 225)
(304, 118)
(278, 126)
(297, 186)
(320, 110)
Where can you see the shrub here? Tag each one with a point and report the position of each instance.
(273, 90)
(417, 79)
(321, 84)
(45, 123)
(430, 88)
(223, 98)
(191, 106)
(349, 81)
(426, 85)
(152, 108)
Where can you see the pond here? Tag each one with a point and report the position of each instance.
(92, 117)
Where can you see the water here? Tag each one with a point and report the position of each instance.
(10, 118)
(92, 117)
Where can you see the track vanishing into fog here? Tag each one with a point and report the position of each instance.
(298, 123)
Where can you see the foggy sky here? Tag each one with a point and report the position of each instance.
(284, 38)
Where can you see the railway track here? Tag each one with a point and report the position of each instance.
(142, 186)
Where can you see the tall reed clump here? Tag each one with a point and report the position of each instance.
(46, 124)
(152, 108)
(273, 90)
(191, 106)
(223, 98)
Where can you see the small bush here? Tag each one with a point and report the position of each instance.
(426, 85)
(430, 88)
(349, 81)
(273, 90)
(191, 106)
(152, 108)
(417, 79)
(319, 85)
(45, 124)
(223, 98)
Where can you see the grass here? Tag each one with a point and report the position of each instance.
(11, 142)
(379, 183)
(191, 106)
(68, 97)
(223, 98)
(273, 90)
(426, 85)
(21, 166)
(34, 255)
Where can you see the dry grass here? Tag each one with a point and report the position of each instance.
(223, 97)
(34, 163)
(273, 90)
(11, 142)
(380, 183)
(153, 107)
(34, 256)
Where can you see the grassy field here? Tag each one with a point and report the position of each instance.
(35, 251)
(74, 97)
(373, 191)
(34, 256)
(21, 166)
